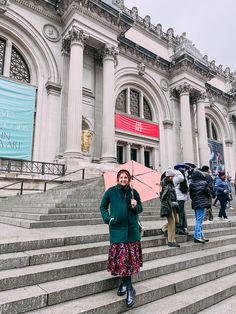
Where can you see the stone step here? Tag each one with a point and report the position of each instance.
(48, 273)
(19, 246)
(164, 287)
(69, 252)
(227, 306)
(192, 300)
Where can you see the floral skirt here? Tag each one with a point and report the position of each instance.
(125, 259)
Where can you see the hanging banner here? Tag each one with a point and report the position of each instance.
(17, 102)
(216, 156)
(136, 126)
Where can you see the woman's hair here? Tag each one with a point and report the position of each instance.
(123, 171)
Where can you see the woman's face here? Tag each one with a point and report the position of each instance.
(123, 179)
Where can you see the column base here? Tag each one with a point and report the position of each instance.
(108, 160)
(73, 154)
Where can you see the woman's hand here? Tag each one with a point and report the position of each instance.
(133, 203)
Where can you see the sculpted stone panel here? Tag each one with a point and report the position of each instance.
(51, 32)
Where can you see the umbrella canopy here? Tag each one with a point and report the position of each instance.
(181, 165)
(143, 179)
(190, 164)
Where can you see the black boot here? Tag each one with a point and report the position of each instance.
(122, 287)
(130, 293)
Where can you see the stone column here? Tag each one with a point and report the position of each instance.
(141, 155)
(53, 121)
(64, 93)
(108, 122)
(202, 130)
(128, 152)
(186, 125)
(227, 156)
(74, 109)
(232, 123)
(7, 58)
(169, 151)
(156, 158)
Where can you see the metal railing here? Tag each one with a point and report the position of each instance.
(14, 183)
(21, 182)
(14, 165)
(67, 174)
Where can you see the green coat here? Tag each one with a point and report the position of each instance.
(116, 203)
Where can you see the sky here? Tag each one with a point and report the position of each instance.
(209, 24)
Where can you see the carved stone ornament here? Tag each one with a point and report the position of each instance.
(168, 124)
(184, 88)
(164, 85)
(225, 111)
(3, 5)
(110, 51)
(51, 32)
(77, 35)
(134, 13)
(141, 68)
(147, 21)
(201, 96)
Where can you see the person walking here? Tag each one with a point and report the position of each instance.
(119, 208)
(222, 192)
(208, 211)
(169, 206)
(200, 195)
(181, 189)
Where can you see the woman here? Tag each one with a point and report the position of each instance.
(169, 206)
(181, 189)
(200, 195)
(222, 192)
(125, 252)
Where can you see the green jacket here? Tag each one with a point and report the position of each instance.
(121, 217)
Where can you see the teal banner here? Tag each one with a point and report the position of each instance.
(17, 103)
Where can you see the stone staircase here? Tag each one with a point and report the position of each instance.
(67, 274)
(74, 204)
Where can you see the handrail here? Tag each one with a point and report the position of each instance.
(45, 183)
(21, 187)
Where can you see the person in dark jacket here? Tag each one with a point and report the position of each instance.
(222, 192)
(200, 195)
(169, 206)
(119, 208)
(208, 211)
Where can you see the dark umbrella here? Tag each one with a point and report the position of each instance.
(191, 165)
(181, 165)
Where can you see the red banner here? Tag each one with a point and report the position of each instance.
(136, 126)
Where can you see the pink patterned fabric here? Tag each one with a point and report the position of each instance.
(125, 259)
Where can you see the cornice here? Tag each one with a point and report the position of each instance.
(99, 11)
(187, 63)
(41, 7)
(217, 93)
(142, 55)
(145, 25)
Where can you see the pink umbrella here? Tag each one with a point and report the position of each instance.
(143, 179)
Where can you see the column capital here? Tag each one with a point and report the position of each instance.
(75, 36)
(110, 52)
(184, 88)
(201, 96)
(168, 124)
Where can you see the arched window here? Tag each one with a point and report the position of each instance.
(211, 130)
(18, 66)
(134, 102)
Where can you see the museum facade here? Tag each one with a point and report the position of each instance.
(91, 84)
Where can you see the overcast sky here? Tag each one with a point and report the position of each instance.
(209, 24)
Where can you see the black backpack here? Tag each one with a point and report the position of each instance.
(183, 186)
